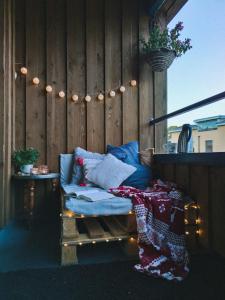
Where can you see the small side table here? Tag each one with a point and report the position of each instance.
(29, 187)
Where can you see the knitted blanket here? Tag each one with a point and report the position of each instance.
(160, 226)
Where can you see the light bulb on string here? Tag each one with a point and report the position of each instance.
(133, 82)
(100, 97)
(48, 88)
(112, 94)
(88, 98)
(36, 80)
(23, 70)
(75, 98)
(122, 89)
(61, 94)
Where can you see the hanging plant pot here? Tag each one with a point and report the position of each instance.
(161, 59)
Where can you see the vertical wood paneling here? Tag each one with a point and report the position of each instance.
(160, 98)
(76, 112)
(130, 67)
(20, 59)
(56, 76)
(113, 112)
(146, 97)
(169, 172)
(6, 104)
(200, 193)
(95, 75)
(36, 63)
(217, 178)
(183, 177)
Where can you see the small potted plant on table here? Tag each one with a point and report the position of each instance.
(163, 46)
(25, 159)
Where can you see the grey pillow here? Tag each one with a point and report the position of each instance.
(77, 169)
(110, 172)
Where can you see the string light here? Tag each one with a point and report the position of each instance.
(198, 221)
(107, 241)
(187, 232)
(112, 94)
(82, 216)
(119, 239)
(61, 94)
(133, 82)
(93, 242)
(130, 212)
(35, 80)
(88, 98)
(69, 214)
(48, 88)
(185, 221)
(23, 71)
(65, 245)
(75, 98)
(132, 239)
(122, 89)
(100, 97)
(80, 244)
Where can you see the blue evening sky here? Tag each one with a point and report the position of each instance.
(200, 73)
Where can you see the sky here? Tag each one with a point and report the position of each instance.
(200, 73)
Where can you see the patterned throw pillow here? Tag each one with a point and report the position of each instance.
(77, 169)
(87, 165)
(110, 172)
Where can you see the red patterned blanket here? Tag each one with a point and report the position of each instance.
(160, 225)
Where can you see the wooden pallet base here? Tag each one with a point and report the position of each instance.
(97, 230)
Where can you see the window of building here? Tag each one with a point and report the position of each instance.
(208, 146)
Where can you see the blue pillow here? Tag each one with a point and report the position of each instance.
(128, 153)
(141, 178)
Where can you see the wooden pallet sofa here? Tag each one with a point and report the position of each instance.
(78, 229)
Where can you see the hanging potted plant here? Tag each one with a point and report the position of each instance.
(25, 159)
(163, 46)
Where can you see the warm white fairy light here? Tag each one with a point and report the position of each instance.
(82, 216)
(132, 239)
(65, 244)
(187, 232)
(61, 94)
(36, 80)
(100, 97)
(112, 93)
(48, 88)
(122, 89)
(75, 98)
(80, 244)
(133, 82)
(185, 221)
(107, 241)
(23, 70)
(119, 239)
(93, 242)
(87, 98)
(130, 212)
(60, 214)
(198, 221)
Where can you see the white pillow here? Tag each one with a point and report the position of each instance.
(110, 172)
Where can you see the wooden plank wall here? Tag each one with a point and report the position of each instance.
(205, 184)
(81, 47)
(7, 125)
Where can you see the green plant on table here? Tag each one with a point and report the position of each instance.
(25, 157)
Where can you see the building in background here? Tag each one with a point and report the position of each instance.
(208, 135)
